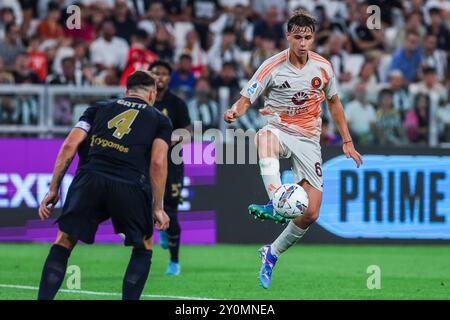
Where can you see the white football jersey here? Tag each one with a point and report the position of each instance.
(293, 95)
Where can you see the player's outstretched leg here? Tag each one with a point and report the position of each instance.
(137, 271)
(268, 152)
(55, 266)
(173, 237)
(295, 230)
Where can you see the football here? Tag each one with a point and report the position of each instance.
(290, 200)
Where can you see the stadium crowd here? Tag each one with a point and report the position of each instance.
(394, 81)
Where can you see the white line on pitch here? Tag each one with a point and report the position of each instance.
(95, 293)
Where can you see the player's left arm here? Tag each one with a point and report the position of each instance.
(64, 159)
(337, 113)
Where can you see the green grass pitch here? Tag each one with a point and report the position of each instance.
(230, 272)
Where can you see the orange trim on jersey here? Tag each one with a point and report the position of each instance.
(318, 57)
(271, 66)
(325, 77)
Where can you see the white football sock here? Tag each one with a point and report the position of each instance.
(287, 238)
(270, 173)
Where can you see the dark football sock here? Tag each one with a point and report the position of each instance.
(174, 247)
(53, 273)
(136, 274)
(173, 233)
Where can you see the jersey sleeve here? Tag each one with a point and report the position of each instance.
(87, 119)
(258, 83)
(330, 87)
(164, 129)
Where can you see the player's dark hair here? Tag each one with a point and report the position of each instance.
(140, 80)
(302, 19)
(161, 63)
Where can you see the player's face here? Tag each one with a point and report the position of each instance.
(162, 77)
(300, 40)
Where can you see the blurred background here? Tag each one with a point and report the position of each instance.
(394, 82)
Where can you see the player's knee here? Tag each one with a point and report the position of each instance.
(311, 215)
(64, 240)
(174, 228)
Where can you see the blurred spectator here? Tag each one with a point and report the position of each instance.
(139, 58)
(439, 29)
(443, 118)
(68, 75)
(414, 23)
(155, 17)
(6, 17)
(203, 108)
(139, 8)
(37, 59)
(364, 39)
(108, 50)
(328, 138)
(361, 116)
(261, 7)
(49, 28)
(182, 78)
(430, 86)
(227, 77)
(325, 26)
(270, 23)
(401, 99)
(408, 58)
(264, 51)
(123, 21)
(224, 50)
(7, 110)
(417, 119)
(367, 75)
(198, 55)
(14, 5)
(22, 72)
(6, 77)
(11, 46)
(338, 56)
(435, 58)
(203, 13)
(163, 44)
(388, 129)
(243, 27)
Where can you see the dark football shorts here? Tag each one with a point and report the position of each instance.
(93, 198)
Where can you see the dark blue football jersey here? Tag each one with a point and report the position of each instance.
(120, 136)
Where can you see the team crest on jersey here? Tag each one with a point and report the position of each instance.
(316, 82)
(300, 98)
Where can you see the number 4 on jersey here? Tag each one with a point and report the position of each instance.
(122, 122)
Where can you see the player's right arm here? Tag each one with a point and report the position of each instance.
(254, 88)
(65, 156)
(237, 110)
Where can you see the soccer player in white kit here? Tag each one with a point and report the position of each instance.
(294, 83)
